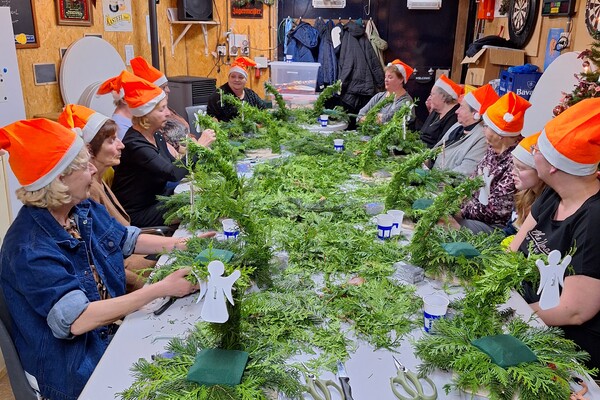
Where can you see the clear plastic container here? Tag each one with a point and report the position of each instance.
(294, 77)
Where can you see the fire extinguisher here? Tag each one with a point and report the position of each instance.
(485, 9)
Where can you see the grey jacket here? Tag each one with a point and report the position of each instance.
(462, 156)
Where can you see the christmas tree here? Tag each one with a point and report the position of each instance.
(588, 85)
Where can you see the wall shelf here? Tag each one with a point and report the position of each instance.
(173, 20)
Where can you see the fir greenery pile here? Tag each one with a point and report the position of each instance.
(451, 349)
(308, 243)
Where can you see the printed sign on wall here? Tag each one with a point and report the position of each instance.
(117, 15)
(248, 10)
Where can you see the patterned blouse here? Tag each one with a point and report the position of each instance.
(502, 190)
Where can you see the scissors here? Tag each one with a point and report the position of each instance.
(411, 383)
(319, 389)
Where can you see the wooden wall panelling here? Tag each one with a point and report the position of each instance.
(189, 59)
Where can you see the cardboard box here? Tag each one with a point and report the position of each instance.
(521, 84)
(489, 61)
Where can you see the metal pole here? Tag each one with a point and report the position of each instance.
(153, 33)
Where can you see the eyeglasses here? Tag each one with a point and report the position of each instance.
(534, 149)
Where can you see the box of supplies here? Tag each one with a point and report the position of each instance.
(521, 84)
(487, 63)
(294, 77)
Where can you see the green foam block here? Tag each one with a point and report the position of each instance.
(218, 367)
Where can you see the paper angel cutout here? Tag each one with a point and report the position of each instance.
(484, 192)
(551, 276)
(216, 291)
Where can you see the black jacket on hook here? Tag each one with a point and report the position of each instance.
(360, 70)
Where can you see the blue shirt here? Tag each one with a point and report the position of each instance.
(47, 283)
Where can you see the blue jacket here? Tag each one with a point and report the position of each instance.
(302, 40)
(328, 70)
(47, 283)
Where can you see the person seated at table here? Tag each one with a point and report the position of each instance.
(396, 76)
(566, 217)
(61, 263)
(235, 85)
(491, 206)
(99, 133)
(443, 99)
(464, 144)
(177, 128)
(146, 165)
(529, 186)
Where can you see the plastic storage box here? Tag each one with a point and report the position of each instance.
(521, 84)
(294, 77)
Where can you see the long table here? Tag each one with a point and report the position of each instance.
(144, 334)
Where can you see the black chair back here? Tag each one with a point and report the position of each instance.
(18, 381)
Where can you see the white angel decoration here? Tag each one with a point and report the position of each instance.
(551, 276)
(216, 291)
(484, 192)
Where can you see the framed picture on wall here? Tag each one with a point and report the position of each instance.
(74, 12)
(23, 19)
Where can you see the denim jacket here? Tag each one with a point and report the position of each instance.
(47, 283)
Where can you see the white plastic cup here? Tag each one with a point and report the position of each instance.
(324, 120)
(385, 224)
(338, 144)
(230, 229)
(398, 217)
(435, 307)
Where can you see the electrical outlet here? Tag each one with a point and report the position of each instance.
(238, 44)
(221, 50)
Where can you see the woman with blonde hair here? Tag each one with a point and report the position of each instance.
(146, 164)
(61, 263)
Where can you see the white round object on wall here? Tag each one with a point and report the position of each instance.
(86, 64)
(559, 77)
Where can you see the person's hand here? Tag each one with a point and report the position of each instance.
(361, 119)
(176, 285)
(208, 234)
(379, 119)
(208, 136)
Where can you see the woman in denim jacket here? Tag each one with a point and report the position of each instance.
(61, 263)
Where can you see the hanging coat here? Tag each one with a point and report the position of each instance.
(303, 40)
(379, 45)
(360, 71)
(328, 71)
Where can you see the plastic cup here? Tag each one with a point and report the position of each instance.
(289, 58)
(398, 217)
(435, 307)
(230, 229)
(385, 224)
(338, 144)
(374, 208)
(324, 120)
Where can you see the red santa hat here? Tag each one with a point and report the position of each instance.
(141, 68)
(88, 120)
(571, 141)
(240, 64)
(140, 95)
(40, 150)
(404, 69)
(448, 86)
(480, 99)
(506, 115)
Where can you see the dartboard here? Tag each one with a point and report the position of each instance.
(522, 16)
(592, 16)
